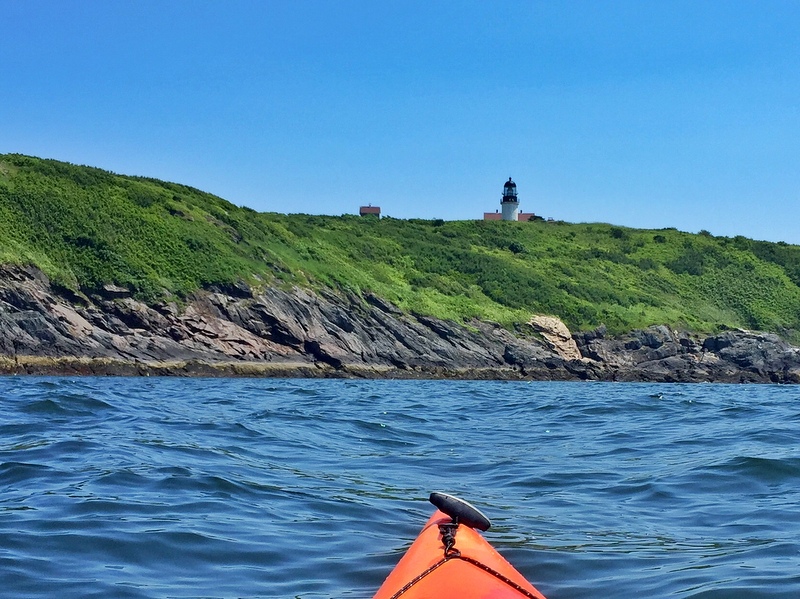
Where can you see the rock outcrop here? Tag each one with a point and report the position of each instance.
(661, 354)
(557, 336)
(234, 330)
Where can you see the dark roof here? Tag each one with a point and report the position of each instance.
(510, 183)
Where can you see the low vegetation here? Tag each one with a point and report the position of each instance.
(86, 228)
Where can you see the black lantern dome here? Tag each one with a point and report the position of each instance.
(510, 191)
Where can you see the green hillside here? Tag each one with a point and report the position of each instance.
(86, 227)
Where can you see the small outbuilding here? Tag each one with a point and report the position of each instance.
(370, 210)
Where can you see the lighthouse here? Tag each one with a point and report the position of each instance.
(510, 203)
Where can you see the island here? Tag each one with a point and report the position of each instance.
(103, 273)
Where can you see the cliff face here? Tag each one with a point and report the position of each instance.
(233, 330)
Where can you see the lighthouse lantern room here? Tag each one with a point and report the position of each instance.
(510, 203)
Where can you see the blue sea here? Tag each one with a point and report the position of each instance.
(156, 488)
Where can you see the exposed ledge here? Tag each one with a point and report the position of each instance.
(298, 333)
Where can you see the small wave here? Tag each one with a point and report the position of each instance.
(202, 485)
(303, 392)
(768, 470)
(67, 405)
(16, 472)
(43, 406)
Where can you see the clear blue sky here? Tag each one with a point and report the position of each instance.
(640, 113)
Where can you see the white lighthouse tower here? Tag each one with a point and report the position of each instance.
(510, 203)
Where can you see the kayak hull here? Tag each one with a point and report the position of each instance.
(474, 571)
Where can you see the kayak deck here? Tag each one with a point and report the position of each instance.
(470, 569)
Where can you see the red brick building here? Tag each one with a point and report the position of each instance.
(375, 210)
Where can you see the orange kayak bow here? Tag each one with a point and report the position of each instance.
(451, 560)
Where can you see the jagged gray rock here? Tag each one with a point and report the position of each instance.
(235, 330)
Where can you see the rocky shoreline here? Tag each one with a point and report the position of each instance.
(236, 331)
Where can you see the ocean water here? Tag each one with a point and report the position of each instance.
(155, 488)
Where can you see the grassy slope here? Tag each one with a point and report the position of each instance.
(86, 227)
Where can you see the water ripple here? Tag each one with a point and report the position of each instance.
(154, 488)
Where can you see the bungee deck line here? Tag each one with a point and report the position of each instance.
(474, 562)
